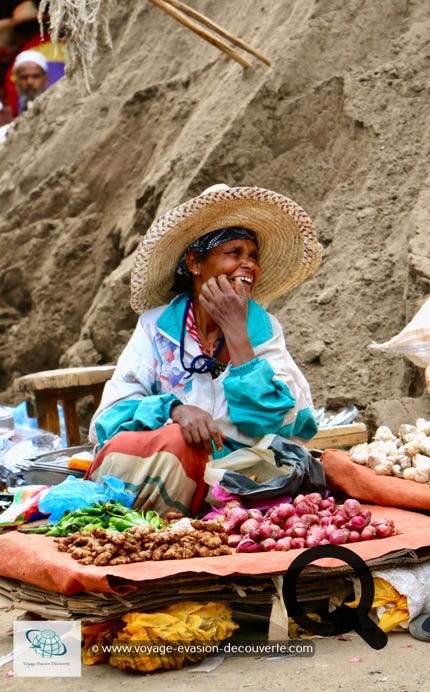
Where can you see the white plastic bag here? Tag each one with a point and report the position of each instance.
(258, 460)
(413, 341)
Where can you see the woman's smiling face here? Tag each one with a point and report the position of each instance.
(239, 260)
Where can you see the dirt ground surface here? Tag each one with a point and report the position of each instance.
(350, 665)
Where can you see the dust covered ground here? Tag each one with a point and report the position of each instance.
(351, 665)
(339, 122)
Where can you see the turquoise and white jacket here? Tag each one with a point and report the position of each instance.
(267, 395)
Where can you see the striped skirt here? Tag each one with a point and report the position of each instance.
(164, 472)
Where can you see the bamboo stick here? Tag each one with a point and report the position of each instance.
(180, 17)
(219, 29)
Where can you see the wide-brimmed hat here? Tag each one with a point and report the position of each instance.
(24, 12)
(287, 240)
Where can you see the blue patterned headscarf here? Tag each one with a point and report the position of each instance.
(210, 240)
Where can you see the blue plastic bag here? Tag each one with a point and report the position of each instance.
(74, 493)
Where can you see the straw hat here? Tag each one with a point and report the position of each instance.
(289, 251)
(24, 12)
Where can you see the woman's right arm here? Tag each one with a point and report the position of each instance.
(129, 400)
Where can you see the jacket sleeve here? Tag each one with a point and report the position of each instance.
(130, 398)
(269, 394)
(150, 413)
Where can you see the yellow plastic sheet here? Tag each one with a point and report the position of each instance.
(395, 605)
(297, 632)
(181, 633)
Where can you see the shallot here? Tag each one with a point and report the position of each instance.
(339, 536)
(234, 539)
(268, 544)
(283, 544)
(234, 517)
(356, 523)
(297, 543)
(351, 508)
(383, 527)
(285, 510)
(249, 525)
(306, 522)
(368, 533)
(254, 513)
(246, 545)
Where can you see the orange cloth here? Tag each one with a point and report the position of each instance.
(365, 485)
(35, 559)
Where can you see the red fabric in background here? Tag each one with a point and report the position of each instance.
(364, 484)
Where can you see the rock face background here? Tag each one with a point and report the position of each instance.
(339, 123)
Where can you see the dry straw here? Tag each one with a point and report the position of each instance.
(83, 24)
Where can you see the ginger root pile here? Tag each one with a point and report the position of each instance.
(103, 547)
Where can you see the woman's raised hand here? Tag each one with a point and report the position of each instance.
(198, 427)
(227, 303)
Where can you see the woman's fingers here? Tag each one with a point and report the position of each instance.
(206, 432)
(198, 427)
(240, 289)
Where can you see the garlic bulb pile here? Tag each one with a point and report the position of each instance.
(405, 455)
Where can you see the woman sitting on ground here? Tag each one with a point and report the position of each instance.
(208, 372)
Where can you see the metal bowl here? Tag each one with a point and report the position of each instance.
(51, 468)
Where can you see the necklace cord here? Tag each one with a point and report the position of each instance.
(195, 366)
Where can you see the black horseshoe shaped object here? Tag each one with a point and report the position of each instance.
(343, 619)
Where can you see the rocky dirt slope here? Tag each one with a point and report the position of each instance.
(340, 123)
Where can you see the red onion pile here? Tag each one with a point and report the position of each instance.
(308, 521)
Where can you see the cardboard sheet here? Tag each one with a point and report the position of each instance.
(365, 485)
(34, 559)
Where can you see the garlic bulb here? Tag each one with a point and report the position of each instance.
(425, 445)
(405, 462)
(414, 474)
(411, 448)
(404, 456)
(409, 474)
(384, 434)
(421, 477)
(406, 432)
(376, 458)
(423, 425)
(359, 453)
(422, 464)
(383, 469)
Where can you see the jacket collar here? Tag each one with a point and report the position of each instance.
(258, 323)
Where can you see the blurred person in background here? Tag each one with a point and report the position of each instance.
(31, 77)
(21, 27)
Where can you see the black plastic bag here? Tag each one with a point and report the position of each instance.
(295, 471)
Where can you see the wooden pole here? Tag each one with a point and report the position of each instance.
(180, 17)
(219, 29)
